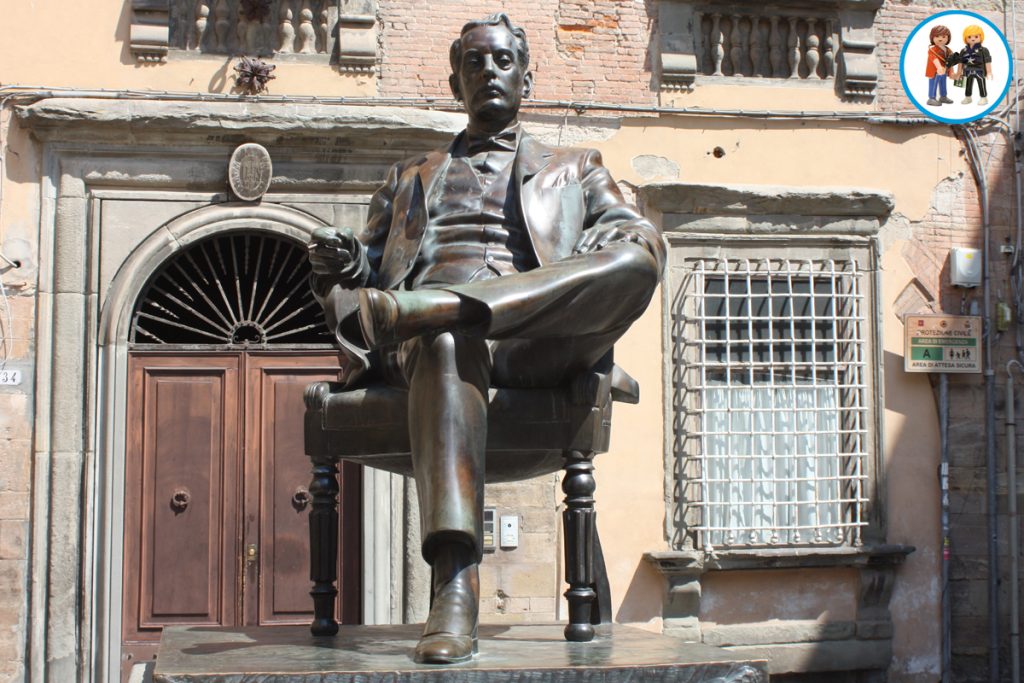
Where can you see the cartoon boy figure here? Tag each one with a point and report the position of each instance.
(938, 55)
(974, 63)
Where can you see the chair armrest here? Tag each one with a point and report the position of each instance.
(625, 389)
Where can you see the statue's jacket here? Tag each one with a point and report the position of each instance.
(560, 194)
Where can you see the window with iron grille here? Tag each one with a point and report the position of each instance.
(773, 420)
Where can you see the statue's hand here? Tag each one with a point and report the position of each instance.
(598, 238)
(333, 251)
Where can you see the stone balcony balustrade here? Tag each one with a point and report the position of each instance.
(341, 32)
(826, 42)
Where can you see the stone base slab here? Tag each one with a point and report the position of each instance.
(383, 654)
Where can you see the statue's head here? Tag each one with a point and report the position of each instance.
(490, 70)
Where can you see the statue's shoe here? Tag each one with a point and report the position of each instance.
(378, 317)
(445, 648)
(390, 317)
(450, 634)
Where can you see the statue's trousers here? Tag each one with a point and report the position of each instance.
(533, 329)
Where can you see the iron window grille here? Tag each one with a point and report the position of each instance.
(771, 411)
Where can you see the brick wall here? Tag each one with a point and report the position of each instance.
(955, 220)
(580, 49)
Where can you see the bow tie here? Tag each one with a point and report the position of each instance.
(476, 144)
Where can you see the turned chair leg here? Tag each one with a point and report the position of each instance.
(323, 547)
(579, 526)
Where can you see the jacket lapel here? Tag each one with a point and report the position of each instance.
(531, 158)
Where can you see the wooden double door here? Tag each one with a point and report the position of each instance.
(216, 499)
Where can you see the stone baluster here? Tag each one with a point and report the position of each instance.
(286, 29)
(307, 34)
(324, 27)
(775, 55)
(736, 46)
(811, 54)
(746, 28)
(828, 56)
(253, 30)
(703, 23)
(221, 24)
(717, 49)
(202, 18)
(241, 31)
(794, 49)
(756, 47)
(266, 34)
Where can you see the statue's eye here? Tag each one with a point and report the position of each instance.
(504, 60)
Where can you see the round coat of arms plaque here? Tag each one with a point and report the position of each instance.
(249, 171)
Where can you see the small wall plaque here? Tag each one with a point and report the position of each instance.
(250, 171)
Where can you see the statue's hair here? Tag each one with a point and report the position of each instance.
(499, 19)
(974, 30)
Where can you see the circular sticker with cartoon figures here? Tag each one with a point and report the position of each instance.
(956, 66)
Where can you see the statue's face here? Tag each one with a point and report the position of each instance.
(491, 82)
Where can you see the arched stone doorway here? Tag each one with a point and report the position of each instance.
(222, 339)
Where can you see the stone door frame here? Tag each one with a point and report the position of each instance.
(81, 371)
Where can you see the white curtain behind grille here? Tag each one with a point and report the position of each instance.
(772, 464)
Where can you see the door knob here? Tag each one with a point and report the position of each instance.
(180, 500)
(301, 498)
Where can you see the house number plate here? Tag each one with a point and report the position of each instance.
(10, 377)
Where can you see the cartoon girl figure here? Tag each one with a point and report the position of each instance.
(938, 54)
(974, 63)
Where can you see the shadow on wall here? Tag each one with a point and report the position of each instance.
(643, 599)
(122, 34)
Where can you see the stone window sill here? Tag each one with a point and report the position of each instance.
(673, 562)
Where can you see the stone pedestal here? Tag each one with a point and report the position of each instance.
(379, 654)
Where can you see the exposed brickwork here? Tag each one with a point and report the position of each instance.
(956, 220)
(580, 50)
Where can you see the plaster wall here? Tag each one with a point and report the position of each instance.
(911, 461)
(85, 45)
(910, 163)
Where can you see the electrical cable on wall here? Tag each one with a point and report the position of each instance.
(7, 322)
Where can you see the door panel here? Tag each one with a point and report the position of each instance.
(275, 388)
(214, 531)
(181, 513)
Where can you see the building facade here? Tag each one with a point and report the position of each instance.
(774, 492)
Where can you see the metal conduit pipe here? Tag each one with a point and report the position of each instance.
(966, 134)
(947, 613)
(35, 93)
(1011, 480)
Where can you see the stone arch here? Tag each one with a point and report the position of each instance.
(182, 232)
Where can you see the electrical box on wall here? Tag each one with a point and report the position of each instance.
(964, 267)
(490, 519)
(508, 537)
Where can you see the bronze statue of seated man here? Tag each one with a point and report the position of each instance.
(497, 261)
